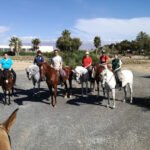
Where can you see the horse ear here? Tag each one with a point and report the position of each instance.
(73, 71)
(10, 121)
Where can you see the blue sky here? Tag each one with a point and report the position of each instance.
(112, 20)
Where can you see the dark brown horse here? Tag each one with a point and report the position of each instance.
(5, 143)
(7, 82)
(53, 78)
(96, 70)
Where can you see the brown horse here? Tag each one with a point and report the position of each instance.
(96, 70)
(7, 82)
(52, 79)
(5, 143)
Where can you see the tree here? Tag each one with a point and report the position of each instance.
(36, 42)
(143, 40)
(97, 43)
(76, 43)
(16, 44)
(66, 43)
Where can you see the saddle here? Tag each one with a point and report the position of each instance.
(62, 75)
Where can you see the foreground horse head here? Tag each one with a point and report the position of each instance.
(109, 82)
(31, 71)
(5, 143)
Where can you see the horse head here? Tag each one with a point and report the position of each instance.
(79, 71)
(5, 143)
(43, 69)
(7, 77)
(31, 71)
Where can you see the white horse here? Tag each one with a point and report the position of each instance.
(109, 82)
(34, 74)
(82, 76)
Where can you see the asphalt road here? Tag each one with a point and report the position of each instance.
(79, 123)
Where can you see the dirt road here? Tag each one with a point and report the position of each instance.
(79, 123)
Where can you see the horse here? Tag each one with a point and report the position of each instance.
(5, 141)
(7, 83)
(52, 79)
(82, 76)
(109, 82)
(33, 73)
(96, 70)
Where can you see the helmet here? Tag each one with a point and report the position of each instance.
(103, 51)
(56, 50)
(87, 53)
(39, 52)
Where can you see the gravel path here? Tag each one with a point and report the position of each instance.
(79, 123)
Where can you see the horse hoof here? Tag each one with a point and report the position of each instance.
(131, 102)
(107, 106)
(124, 101)
(113, 107)
(65, 96)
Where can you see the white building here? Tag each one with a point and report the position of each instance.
(28, 48)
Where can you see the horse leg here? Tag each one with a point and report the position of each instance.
(125, 93)
(51, 94)
(103, 88)
(5, 100)
(38, 83)
(86, 88)
(131, 91)
(82, 88)
(34, 83)
(108, 97)
(66, 89)
(70, 88)
(113, 96)
(9, 97)
(97, 88)
(55, 95)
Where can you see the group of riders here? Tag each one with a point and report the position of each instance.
(57, 63)
(87, 62)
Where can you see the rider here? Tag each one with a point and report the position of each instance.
(116, 66)
(6, 64)
(56, 63)
(87, 62)
(104, 59)
(38, 58)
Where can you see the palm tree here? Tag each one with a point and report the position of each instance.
(97, 42)
(16, 44)
(36, 42)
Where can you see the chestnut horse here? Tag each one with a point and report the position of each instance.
(7, 82)
(52, 79)
(5, 143)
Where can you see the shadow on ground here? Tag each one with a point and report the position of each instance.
(143, 102)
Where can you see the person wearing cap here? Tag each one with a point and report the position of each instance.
(6, 64)
(86, 60)
(104, 59)
(87, 63)
(38, 58)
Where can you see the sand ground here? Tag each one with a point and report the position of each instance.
(143, 68)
